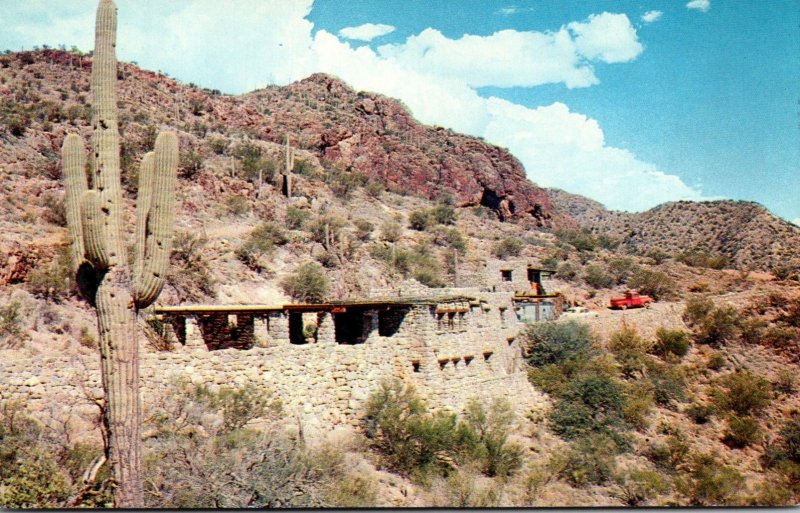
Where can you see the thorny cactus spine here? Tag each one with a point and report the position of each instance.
(95, 220)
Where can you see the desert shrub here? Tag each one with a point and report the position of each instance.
(296, 218)
(703, 259)
(629, 349)
(639, 400)
(713, 484)
(444, 214)
(307, 284)
(12, 333)
(671, 343)
(412, 440)
(791, 316)
(742, 431)
(786, 382)
(53, 280)
(669, 383)
(497, 456)
(261, 240)
(425, 267)
(374, 189)
(699, 413)
(218, 145)
(718, 327)
(752, 329)
(462, 489)
(391, 231)
(450, 237)
(329, 226)
(743, 393)
(621, 269)
(508, 247)
(653, 283)
(790, 439)
(203, 453)
(253, 162)
(716, 361)
(553, 343)
(638, 486)
(659, 256)
(670, 454)
(581, 240)
(190, 163)
(237, 205)
(567, 271)
(55, 209)
(697, 308)
(591, 460)
(363, 229)
(188, 271)
(779, 337)
(420, 220)
(595, 276)
(343, 183)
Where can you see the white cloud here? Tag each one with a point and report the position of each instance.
(796, 221)
(511, 58)
(651, 16)
(256, 43)
(366, 32)
(699, 5)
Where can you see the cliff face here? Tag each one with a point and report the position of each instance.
(376, 136)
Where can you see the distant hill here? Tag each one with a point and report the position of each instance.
(745, 233)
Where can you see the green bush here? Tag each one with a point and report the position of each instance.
(639, 400)
(190, 164)
(326, 225)
(581, 240)
(653, 283)
(719, 327)
(591, 460)
(743, 393)
(296, 218)
(363, 229)
(420, 220)
(671, 343)
(742, 431)
(699, 413)
(508, 247)
(639, 486)
(374, 189)
(237, 205)
(567, 271)
(444, 214)
(411, 440)
(629, 349)
(253, 163)
(391, 231)
(697, 309)
(450, 237)
(553, 343)
(343, 183)
(703, 259)
(669, 384)
(713, 484)
(308, 284)
(261, 240)
(595, 276)
(669, 454)
(497, 456)
(621, 269)
(659, 256)
(11, 328)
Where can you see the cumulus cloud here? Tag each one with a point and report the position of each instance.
(437, 77)
(699, 5)
(651, 16)
(366, 32)
(510, 58)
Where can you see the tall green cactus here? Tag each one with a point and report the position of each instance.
(95, 226)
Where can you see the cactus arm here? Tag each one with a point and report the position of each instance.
(92, 224)
(161, 218)
(143, 200)
(75, 183)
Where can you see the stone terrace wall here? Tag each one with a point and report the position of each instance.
(449, 357)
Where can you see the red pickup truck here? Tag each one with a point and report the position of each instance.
(631, 300)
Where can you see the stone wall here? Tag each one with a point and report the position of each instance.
(449, 352)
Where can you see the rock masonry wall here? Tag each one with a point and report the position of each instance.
(449, 352)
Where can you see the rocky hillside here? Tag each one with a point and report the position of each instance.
(745, 233)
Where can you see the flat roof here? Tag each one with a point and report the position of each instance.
(309, 307)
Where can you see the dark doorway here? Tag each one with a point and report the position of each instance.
(349, 327)
(296, 329)
(389, 322)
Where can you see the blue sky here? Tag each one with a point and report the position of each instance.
(631, 102)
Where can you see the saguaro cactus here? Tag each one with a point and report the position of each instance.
(286, 186)
(95, 225)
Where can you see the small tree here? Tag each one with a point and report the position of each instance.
(308, 284)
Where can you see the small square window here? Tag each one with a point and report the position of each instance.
(505, 275)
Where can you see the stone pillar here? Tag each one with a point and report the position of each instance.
(261, 331)
(326, 334)
(279, 327)
(246, 328)
(194, 337)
